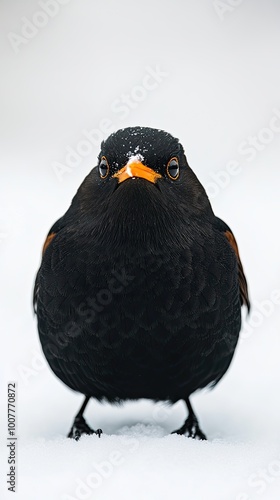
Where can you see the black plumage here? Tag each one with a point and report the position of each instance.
(140, 288)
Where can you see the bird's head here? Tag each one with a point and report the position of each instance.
(141, 153)
(143, 176)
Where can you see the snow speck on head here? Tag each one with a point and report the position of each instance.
(132, 158)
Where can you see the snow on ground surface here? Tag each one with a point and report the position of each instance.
(207, 72)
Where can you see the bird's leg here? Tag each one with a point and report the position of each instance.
(80, 426)
(191, 427)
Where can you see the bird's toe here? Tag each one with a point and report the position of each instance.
(191, 429)
(80, 427)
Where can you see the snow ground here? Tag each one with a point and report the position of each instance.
(220, 85)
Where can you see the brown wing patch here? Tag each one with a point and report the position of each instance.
(244, 294)
(48, 241)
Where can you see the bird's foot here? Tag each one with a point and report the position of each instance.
(80, 427)
(191, 429)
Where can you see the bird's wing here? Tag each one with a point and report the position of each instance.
(51, 234)
(244, 294)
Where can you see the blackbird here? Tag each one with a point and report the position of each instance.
(140, 288)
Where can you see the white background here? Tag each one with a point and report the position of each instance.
(220, 87)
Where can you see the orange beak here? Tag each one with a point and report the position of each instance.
(136, 169)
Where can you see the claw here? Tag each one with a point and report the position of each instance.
(191, 429)
(80, 427)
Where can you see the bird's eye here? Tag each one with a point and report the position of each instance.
(173, 169)
(103, 168)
